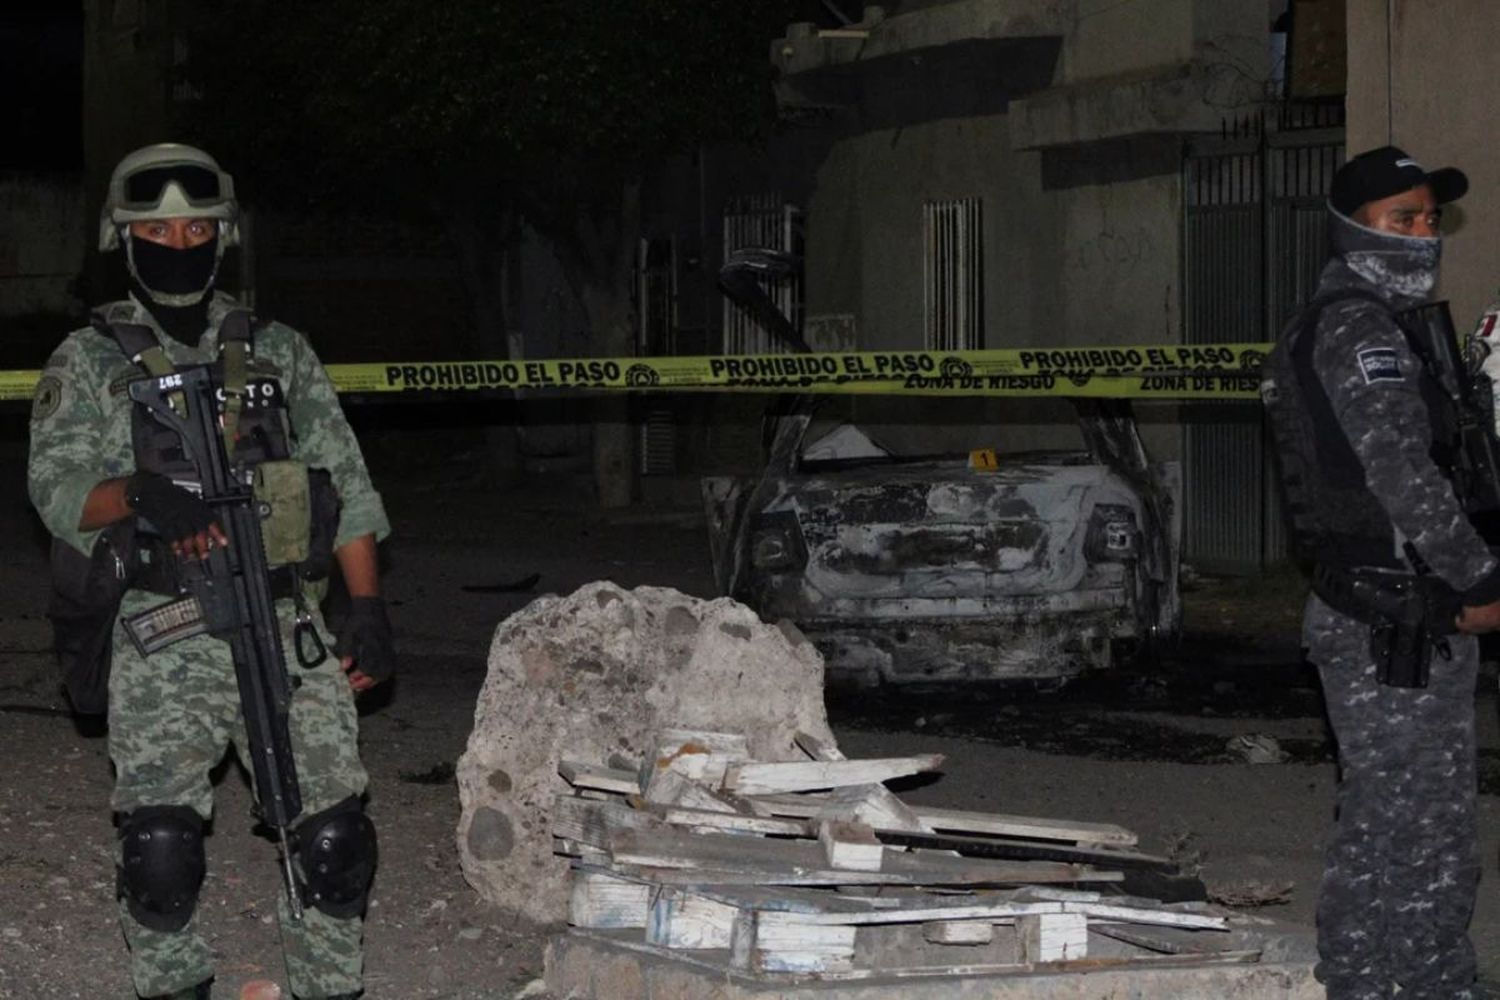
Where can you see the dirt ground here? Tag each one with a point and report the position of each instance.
(1145, 750)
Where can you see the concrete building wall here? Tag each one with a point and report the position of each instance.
(1122, 39)
(1080, 185)
(43, 238)
(1431, 97)
(1091, 264)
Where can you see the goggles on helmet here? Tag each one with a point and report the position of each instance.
(144, 189)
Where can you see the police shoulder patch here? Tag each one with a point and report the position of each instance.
(1379, 364)
(48, 397)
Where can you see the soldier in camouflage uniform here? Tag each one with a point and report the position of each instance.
(1401, 866)
(173, 714)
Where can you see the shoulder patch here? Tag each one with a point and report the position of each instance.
(48, 397)
(1378, 364)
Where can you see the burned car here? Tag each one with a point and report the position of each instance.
(1035, 566)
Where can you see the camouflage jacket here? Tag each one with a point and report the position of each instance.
(80, 419)
(1372, 379)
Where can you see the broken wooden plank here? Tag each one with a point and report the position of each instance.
(815, 748)
(850, 846)
(874, 805)
(589, 821)
(846, 881)
(599, 900)
(701, 756)
(704, 741)
(1016, 849)
(963, 821)
(794, 776)
(1165, 940)
(1052, 937)
(1147, 915)
(988, 913)
(667, 787)
(1073, 965)
(586, 853)
(682, 919)
(739, 859)
(794, 899)
(770, 947)
(1002, 825)
(959, 932)
(607, 779)
(703, 819)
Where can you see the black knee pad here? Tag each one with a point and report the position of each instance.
(336, 855)
(161, 865)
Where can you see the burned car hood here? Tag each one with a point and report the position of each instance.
(937, 529)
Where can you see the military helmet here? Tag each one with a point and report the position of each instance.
(168, 180)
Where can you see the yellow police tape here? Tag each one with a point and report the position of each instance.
(1166, 372)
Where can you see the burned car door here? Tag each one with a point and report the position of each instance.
(1114, 440)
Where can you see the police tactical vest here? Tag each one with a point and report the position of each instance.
(1336, 522)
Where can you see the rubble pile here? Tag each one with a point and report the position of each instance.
(603, 671)
(814, 867)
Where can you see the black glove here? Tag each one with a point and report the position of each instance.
(366, 636)
(176, 514)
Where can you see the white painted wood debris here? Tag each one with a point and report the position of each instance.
(802, 867)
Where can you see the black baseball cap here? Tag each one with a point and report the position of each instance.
(1380, 173)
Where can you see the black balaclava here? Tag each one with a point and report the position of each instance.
(174, 284)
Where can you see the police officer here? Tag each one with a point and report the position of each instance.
(172, 213)
(1363, 436)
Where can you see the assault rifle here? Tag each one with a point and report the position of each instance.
(1476, 452)
(228, 595)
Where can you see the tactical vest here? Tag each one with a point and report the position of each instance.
(257, 427)
(301, 504)
(1336, 522)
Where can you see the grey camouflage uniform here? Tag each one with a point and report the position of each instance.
(1401, 866)
(173, 716)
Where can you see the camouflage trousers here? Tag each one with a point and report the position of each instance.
(172, 718)
(1402, 862)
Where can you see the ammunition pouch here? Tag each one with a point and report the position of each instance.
(1409, 618)
(299, 510)
(86, 595)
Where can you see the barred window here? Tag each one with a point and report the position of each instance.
(762, 222)
(953, 274)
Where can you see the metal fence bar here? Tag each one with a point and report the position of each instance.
(953, 274)
(1253, 245)
(769, 222)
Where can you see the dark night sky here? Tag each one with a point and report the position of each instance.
(41, 76)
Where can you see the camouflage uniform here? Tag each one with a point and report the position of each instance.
(1401, 866)
(172, 716)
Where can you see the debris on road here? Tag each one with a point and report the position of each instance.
(1250, 893)
(601, 672)
(814, 867)
(1257, 748)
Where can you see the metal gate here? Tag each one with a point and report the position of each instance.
(1254, 241)
(769, 222)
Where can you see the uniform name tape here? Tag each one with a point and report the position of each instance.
(1175, 371)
